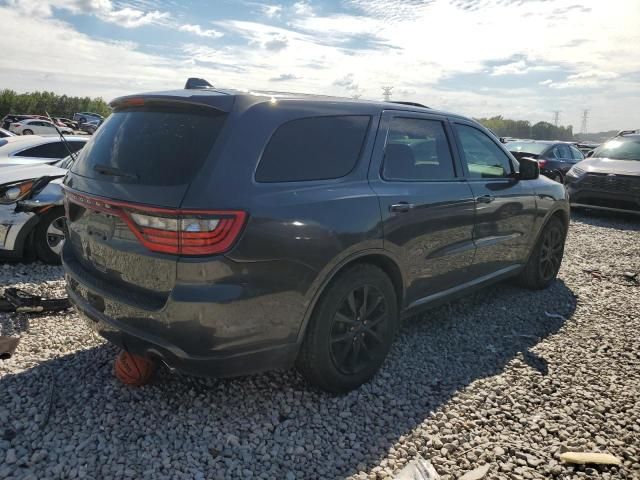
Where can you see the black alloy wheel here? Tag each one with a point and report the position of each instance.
(358, 328)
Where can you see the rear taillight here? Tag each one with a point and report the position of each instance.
(174, 231)
(542, 163)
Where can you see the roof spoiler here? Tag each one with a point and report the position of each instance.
(194, 83)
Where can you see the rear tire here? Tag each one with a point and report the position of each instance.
(48, 236)
(350, 331)
(27, 132)
(545, 259)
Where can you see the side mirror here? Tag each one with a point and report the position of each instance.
(529, 169)
(590, 153)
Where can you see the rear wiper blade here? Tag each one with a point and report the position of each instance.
(113, 171)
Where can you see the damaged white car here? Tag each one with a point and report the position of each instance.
(32, 212)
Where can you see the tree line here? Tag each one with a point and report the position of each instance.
(505, 127)
(37, 103)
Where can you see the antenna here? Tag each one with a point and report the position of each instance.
(386, 93)
(64, 140)
(585, 120)
(556, 117)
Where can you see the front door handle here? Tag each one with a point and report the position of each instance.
(401, 207)
(485, 199)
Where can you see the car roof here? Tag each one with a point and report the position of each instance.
(12, 144)
(216, 97)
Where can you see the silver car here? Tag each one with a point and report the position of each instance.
(31, 211)
(33, 149)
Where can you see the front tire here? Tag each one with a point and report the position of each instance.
(27, 132)
(545, 259)
(350, 331)
(48, 236)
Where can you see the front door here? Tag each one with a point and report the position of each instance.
(427, 206)
(505, 206)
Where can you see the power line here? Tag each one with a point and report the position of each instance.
(556, 117)
(585, 119)
(386, 93)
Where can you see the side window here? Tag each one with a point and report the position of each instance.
(562, 152)
(315, 148)
(417, 150)
(576, 154)
(483, 157)
(48, 150)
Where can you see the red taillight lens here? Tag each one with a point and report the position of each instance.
(180, 232)
(542, 163)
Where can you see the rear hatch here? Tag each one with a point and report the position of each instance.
(124, 192)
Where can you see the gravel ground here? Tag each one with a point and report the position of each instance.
(505, 377)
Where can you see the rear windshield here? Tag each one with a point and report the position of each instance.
(527, 147)
(619, 149)
(151, 145)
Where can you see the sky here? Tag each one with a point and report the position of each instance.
(523, 59)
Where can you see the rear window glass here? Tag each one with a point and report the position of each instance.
(527, 147)
(151, 145)
(317, 148)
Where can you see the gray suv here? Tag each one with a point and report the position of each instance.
(224, 233)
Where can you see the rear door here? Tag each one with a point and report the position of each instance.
(144, 158)
(505, 206)
(427, 206)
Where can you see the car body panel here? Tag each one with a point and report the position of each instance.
(434, 239)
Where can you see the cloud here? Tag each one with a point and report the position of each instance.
(588, 79)
(347, 82)
(302, 8)
(198, 30)
(284, 77)
(276, 43)
(127, 17)
(548, 81)
(272, 11)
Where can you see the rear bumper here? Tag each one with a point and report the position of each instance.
(179, 330)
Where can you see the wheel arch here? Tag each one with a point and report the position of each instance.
(377, 257)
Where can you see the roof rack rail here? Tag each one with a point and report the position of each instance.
(627, 132)
(411, 104)
(194, 83)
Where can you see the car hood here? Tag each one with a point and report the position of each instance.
(15, 173)
(610, 165)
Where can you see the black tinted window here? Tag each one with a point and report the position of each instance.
(417, 150)
(48, 150)
(483, 157)
(317, 148)
(154, 145)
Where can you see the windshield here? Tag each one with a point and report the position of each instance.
(620, 149)
(527, 147)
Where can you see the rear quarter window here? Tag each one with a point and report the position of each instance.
(315, 148)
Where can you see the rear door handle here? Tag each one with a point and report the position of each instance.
(401, 207)
(485, 199)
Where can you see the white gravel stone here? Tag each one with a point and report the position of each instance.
(487, 380)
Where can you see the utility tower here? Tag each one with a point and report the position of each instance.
(585, 119)
(556, 117)
(386, 93)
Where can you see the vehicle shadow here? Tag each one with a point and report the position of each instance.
(271, 423)
(600, 218)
